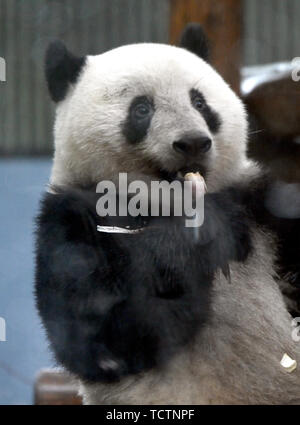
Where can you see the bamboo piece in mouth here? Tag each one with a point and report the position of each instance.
(199, 185)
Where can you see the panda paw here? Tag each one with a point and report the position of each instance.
(110, 367)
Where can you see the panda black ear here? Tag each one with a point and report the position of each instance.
(194, 39)
(62, 69)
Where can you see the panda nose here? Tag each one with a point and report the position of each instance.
(192, 145)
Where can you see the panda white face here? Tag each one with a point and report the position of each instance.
(148, 109)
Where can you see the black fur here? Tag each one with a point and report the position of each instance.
(194, 39)
(211, 117)
(288, 233)
(62, 68)
(136, 125)
(116, 304)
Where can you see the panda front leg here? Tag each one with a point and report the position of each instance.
(111, 304)
(114, 305)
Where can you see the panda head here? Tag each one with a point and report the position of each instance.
(150, 109)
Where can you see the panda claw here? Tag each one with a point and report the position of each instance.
(108, 365)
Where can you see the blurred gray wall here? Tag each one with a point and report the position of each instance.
(271, 33)
(87, 27)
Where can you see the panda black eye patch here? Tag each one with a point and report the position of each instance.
(211, 117)
(138, 119)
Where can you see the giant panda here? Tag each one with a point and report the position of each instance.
(159, 316)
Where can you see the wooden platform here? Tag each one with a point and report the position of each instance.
(56, 387)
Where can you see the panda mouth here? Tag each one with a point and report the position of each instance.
(158, 171)
(193, 168)
(181, 172)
